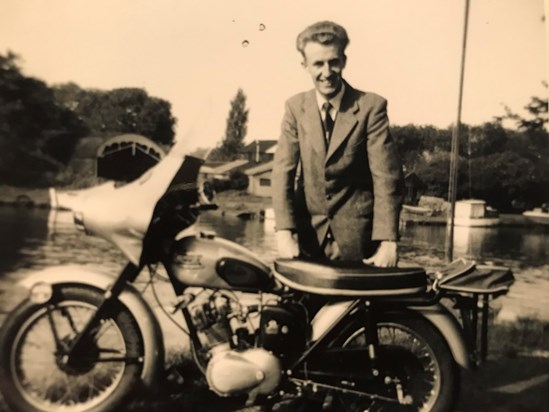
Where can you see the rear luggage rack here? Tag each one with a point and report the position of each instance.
(472, 287)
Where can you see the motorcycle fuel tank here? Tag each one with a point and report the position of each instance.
(213, 262)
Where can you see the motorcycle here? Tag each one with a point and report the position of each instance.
(343, 335)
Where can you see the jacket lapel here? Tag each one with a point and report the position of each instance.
(345, 120)
(313, 123)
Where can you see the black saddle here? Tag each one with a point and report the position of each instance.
(354, 278)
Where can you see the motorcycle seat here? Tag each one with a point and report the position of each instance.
(340, 278)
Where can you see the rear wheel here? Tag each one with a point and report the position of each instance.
(35, 375)
(428, 375)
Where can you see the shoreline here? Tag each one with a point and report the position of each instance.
(240, 204)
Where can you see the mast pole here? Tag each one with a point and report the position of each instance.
(452, 184)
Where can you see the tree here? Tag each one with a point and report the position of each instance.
(502, 166)
(235, 131)
(534, 124)
(417, 144)
(37, 136)
(506, 178)
(118, 111)
(434, 171)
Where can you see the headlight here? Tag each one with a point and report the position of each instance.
(40, 293)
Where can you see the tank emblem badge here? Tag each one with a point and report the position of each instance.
(189, 261)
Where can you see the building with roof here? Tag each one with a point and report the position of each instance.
(260, 179)
(260, 151)
(126, 157)
(122, 158)
(222, 171)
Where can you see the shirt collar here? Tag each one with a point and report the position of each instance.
(334, 101)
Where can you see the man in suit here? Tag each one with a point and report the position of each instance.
(337, 179)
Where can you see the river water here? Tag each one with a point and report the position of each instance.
(32, 239)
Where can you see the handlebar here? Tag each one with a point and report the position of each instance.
(204, 206)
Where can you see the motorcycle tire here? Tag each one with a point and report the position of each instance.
(435, 363)
(34, 378)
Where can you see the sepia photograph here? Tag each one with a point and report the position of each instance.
(274, 205)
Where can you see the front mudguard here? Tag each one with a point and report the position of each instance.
(153, 362)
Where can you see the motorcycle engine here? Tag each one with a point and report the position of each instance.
(240, 361)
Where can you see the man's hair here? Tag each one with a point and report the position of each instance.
(323, 32)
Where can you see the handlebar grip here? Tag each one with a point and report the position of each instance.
(207, 206)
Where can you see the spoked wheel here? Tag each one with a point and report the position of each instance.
(36, 374)
(427, 375)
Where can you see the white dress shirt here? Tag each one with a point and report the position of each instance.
(334, 101)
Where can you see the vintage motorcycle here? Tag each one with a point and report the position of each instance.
(345, 335)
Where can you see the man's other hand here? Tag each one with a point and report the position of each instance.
(385, 256)
(287, 244)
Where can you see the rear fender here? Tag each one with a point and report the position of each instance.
(450, 329)
(437, 315)
(153, 363)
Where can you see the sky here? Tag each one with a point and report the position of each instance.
(197, 53)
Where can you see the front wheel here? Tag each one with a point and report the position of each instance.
(34, 372)
(427, 372)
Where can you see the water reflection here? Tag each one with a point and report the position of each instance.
(22, 229)
(525, 245)
(256, 235)
(26, 244)
(26, 235)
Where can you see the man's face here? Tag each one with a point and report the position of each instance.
(325, 64)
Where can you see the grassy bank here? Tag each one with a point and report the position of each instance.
(524, 337)
(515, 377)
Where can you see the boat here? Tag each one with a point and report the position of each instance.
(269, 213)
(418, 210)
(475, 213)
(538, 215)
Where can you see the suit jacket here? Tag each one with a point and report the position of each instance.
(353, 186)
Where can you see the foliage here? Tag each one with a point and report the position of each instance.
(505, 177)
(507, 168)
(534, 124)
(40, 125)
(537, 110)
(118, 111)
(37, 136)
(235, 131)
(434, 172)
(239, 180)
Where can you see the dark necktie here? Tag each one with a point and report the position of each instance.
(328, 122)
